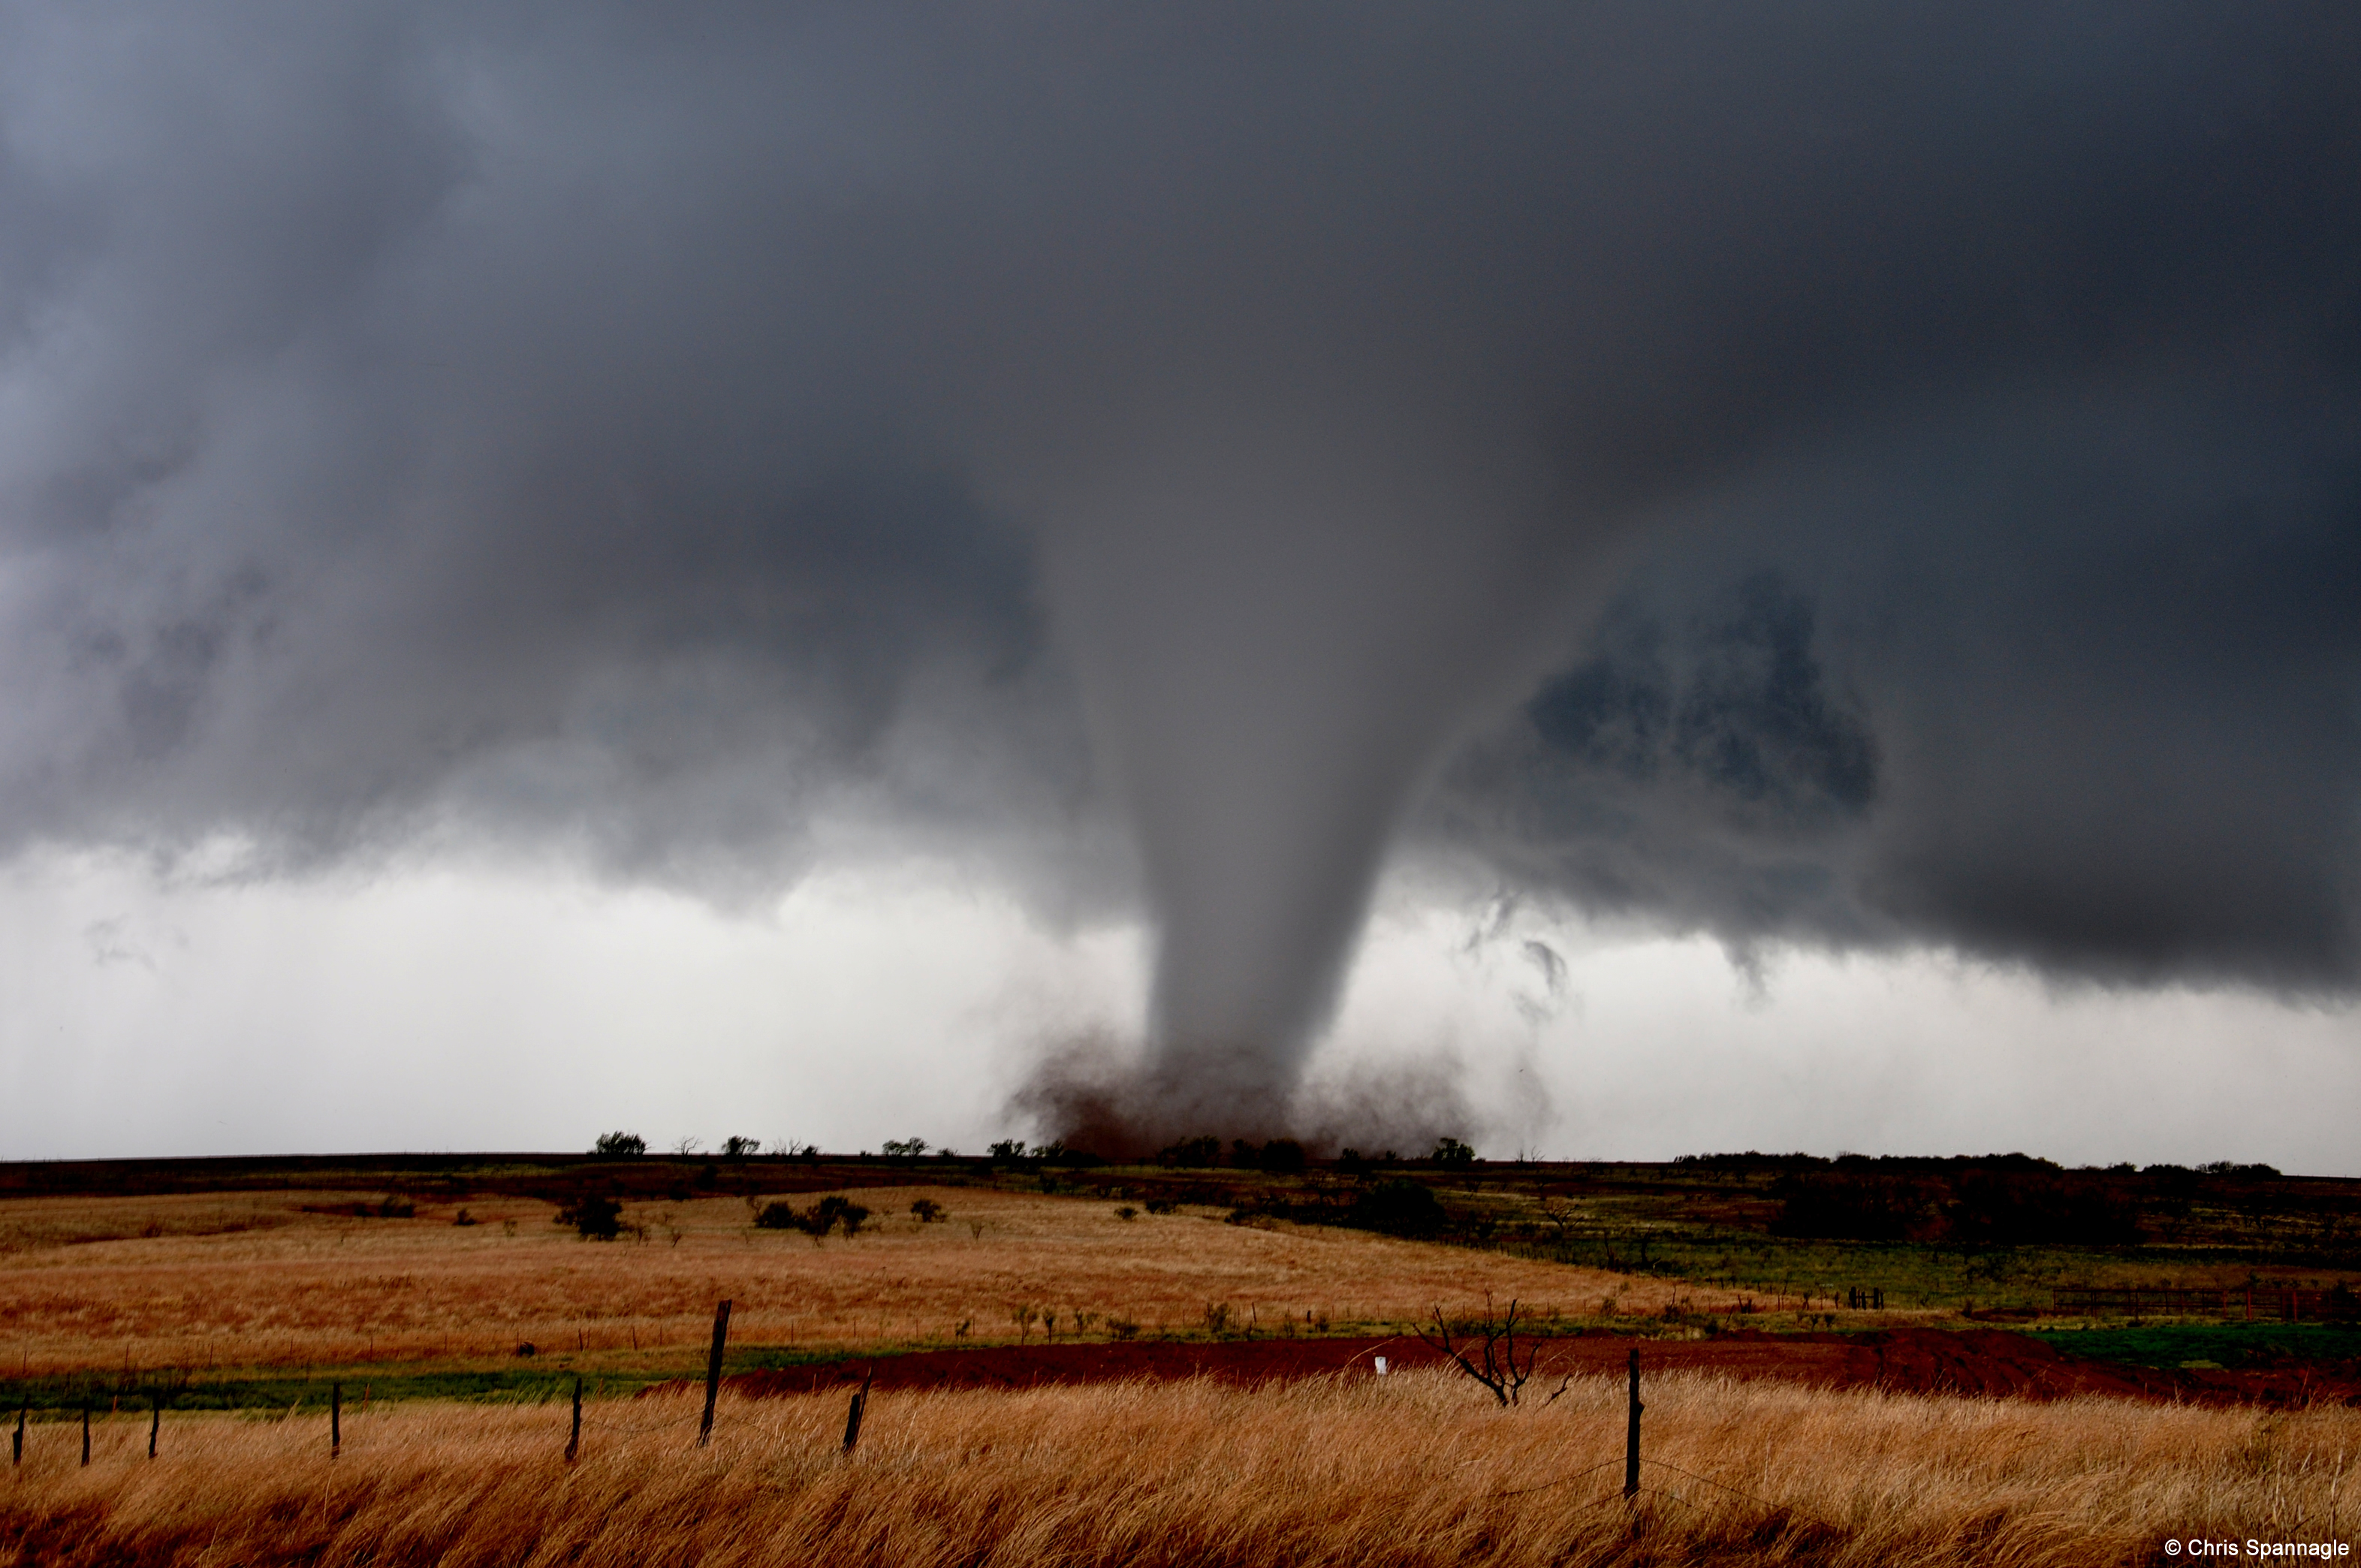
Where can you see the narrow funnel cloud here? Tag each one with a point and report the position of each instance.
(1276, 655)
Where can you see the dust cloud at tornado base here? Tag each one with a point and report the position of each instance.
(1805, 476)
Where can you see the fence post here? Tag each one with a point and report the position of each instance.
(852, 1416)
(1632, 1435)
(713, 1371)
(155, 1421)
(16, 1456)
(85, 1429)
(573, 1444)
(335, 1420)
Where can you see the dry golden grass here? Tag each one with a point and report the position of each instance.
(273, 1286)
(1412, 1470)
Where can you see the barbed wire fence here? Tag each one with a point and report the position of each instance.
(1632, 1459)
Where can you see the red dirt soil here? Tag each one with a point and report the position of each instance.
(1988, 1362)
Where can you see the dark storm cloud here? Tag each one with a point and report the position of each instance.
(2079, 692)
(671, 435)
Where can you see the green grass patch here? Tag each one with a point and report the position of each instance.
(2224, 1344)
(310, 1391)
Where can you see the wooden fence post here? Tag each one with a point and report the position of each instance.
(335, 1420)
(85, 1429)
(16, 1456)
(713, 1371)
(155, 1421)
(1632, 1435)
(573, 1444)
(852, 1416)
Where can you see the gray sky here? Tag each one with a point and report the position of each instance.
(899, 546)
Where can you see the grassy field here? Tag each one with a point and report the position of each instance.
(123, 1289)
(1412, 1469)
(266, 1274)
(243, 1290)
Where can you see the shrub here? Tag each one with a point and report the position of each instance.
(594, 1217)
(1163, 1205)
(928, 1211)
(619, 1146)
(1400, 1207)
(1126, 1212)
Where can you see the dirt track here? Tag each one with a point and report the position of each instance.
(1920, 1361)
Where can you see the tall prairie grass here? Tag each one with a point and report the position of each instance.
(1417, 1469)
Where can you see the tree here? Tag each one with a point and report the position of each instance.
(619, 1146)
(1451, 1153)
(1283, 1156)
(735, 1147)
(1497, 1367)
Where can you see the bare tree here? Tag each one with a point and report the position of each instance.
(1498, 1363)
(1560, 1214)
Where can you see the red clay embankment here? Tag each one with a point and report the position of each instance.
(1988, 1362)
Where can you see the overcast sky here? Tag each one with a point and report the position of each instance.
(1614, 582)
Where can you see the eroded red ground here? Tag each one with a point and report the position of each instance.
(1920, 1361)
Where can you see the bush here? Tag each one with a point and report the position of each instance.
(735, 1147)
(594, 1217)
(928, 1211)
(619, 1146)
(1451, 1154)
(834, 1211)
(1126, 1211)
(1400, 1207)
